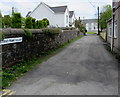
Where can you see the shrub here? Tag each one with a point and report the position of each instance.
(7, 21)
(33, 23)
(28, 33)
(23, 21)
(2, 36)
(44, 24)
(16, 20)
(45, 19)
(51, 30)
(3, 22)
(40, 24)
(37, 24)
(28, 23)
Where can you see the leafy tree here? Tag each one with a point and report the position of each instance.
(79, 25)
(16, 20)
(28, 23)
(45, 19)
(7, 21)
(0, 20)
(33, 23)
(105, 15)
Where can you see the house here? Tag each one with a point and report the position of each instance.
(72, 19)
(114, 38)
(58, 16)
(91, 25)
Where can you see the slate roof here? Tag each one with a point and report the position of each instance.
(57, 9)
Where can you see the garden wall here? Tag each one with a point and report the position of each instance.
(35, 46)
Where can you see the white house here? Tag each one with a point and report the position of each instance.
(91, 25)
(58, 16)
(72, 18)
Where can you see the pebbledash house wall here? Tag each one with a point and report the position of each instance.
(32, 47)
(117, 28)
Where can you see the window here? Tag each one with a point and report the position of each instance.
(110, 30)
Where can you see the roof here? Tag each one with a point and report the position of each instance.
(28, 14)
(71, 13)
(57, 8)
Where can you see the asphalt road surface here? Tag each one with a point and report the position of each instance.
(83, 68)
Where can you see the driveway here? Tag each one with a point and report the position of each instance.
(83, 68)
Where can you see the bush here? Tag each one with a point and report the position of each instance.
(40, 24)
(16, 20)
(44, 24)
(7, 21)
(51, 30)
(37, 24)
(45, 19)
(33, 23)
(28, 33)
(2, 36)
(28, 23)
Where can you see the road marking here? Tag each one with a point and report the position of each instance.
(7, 92)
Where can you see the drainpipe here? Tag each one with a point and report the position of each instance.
(112, 38)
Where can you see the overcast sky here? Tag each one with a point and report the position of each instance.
(86, 9)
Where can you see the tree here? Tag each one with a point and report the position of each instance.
(79, 25)
(0, 20)
(45, 19)
(105, 15)
(28, 23)
(16, 20)
(7, 21)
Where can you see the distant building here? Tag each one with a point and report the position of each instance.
(58, 16)
(91, 25)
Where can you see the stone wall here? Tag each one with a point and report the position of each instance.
(35, 46)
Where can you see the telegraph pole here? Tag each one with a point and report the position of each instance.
(98, 20)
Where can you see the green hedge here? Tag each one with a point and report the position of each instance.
(40, 24)
(28, 23)
(33, 23)
(16, 20)
(7, 21)
(45, 19)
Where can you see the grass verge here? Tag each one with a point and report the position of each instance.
(10, 75)
(91, 33)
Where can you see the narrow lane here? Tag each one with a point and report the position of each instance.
(83, 68)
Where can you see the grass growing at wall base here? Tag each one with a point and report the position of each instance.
(91, 33)
(12, 74)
